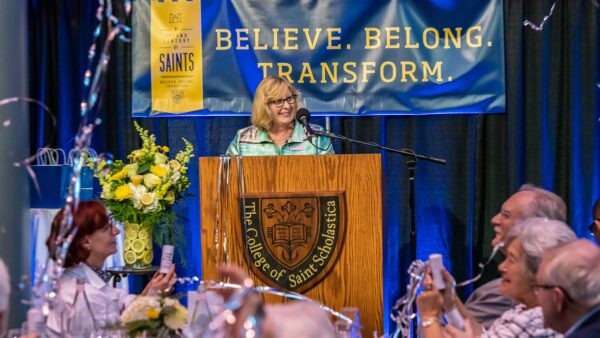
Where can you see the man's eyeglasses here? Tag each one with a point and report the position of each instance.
(279, 103)
(536, 288)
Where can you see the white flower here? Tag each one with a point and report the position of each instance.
(137, 309)
(150, 202)
(136, 195)
(151, 181)
(177, 319)
(175, 177)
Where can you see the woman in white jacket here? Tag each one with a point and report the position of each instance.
(94, 242)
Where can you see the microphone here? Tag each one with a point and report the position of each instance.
(302, 116)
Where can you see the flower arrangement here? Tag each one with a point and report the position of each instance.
(141, 195)
(155, 315)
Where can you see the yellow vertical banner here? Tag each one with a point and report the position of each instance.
(176, 56)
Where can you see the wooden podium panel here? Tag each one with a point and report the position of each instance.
(357, 276)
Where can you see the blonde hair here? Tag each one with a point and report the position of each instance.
(270, 88)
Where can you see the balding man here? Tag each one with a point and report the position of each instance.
(568, 289)
(486, 303)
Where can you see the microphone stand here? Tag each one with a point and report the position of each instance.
(411, 162)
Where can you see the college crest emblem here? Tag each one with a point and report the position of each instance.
(293, 240)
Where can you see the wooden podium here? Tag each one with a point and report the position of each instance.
(356, 278)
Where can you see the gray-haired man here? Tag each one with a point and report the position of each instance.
(568, 289)
(486, 303)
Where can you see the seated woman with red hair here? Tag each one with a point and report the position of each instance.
(93, 243)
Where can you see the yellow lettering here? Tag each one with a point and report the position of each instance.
(242, 37)
(408, 36)
(367, 69)
(372, 33)
(405, 71)
(306, 72)
(392, 37)
(223, 35)
(382, 71)
(287, 72)
(449, 36)
(436, 38)
(257, 45)
(264, 66)
(331, 38)
(312, 42)
(474, 41)
(349, 71)
(275, 37)
(437, 69)
(333, 77)
(290, 35)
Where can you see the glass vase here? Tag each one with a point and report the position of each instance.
(137, 246)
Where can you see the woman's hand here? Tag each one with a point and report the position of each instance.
(161, 282)
(430, 301)
(453, 332)
(449, 293)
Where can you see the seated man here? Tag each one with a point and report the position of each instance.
(486, 303)
(526, 243)
(568, 289)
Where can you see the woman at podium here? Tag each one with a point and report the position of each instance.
(274, 130)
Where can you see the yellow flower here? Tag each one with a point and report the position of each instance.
(165, 149)
(137, 180)
(158, 171)
(123, 192)
(119, 176)
(135, 154)
(152, 313)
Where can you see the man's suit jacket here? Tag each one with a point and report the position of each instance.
(588, 328)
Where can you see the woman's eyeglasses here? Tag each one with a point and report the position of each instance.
(279, 103)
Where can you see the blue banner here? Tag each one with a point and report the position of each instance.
(346, 57)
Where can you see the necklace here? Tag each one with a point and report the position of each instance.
(285, 136)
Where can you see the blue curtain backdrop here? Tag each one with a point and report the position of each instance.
(549, 136)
